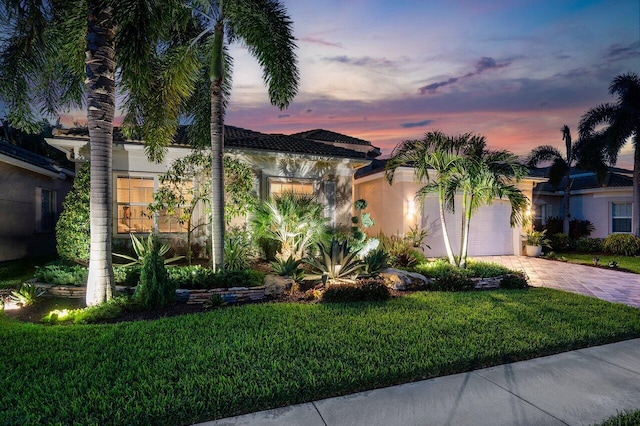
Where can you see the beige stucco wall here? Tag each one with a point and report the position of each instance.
(394, 210)
(18, 235)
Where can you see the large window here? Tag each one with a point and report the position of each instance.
(621, 217)
(133, 196)
(298, 186)
(540, 216)
(45, 210)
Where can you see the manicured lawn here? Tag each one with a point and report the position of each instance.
(235, 360)
(15, 272)
(629, 263)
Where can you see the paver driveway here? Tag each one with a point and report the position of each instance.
(606, 284)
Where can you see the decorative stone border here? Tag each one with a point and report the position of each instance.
(231, 295)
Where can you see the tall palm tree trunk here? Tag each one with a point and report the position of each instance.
(566, 200)
(445, 233)
(100, 74)
(217, 151)
(466, 225)
(635, 208)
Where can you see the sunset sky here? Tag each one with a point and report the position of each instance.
(512, 70)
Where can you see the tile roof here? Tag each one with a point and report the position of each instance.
(585, 179)
(329, 136)
(22, 154)
(239, 138)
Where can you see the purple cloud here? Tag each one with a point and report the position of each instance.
(617, 52)
(485, 63)
(284, 115)
(320, 42)
(364, 61)
(416, 124)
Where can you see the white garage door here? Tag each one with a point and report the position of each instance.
(490, 233)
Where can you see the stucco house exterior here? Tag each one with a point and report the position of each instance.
(607, 204)
(32, 189)
(394, 210)
(323, 167)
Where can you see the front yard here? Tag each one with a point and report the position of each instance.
(240, 359)
(628, 263)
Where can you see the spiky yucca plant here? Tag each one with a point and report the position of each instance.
(336, 263)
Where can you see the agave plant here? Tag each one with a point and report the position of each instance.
(143, 247)
(286, 267)
(26, 294)
(337, 263)
(377, 260)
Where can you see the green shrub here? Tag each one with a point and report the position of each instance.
(514, 281)
(368, 290)
(113, 308)
(455, 280)
(580, 228)
(621, 244)
(27, 294)
(237, 250)
(242, 278)
(269, 247)
(142, 247)
(126, 275)
(589, 245)
(336, 262)
(72, 229)
(190, 277)
(289, 267)
(154, 289)
(401, 250)
(477, 269)
(375, 261)
(560, 242)
(62, 274)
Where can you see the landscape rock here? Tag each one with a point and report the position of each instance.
(275, 285)
(397, 279)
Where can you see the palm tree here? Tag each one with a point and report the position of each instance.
(59, 50)
(482, 176)
(560, 167)
(622, 121)
(436, 152)
(265, 29)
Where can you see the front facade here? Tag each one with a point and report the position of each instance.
(608, 204)
(32, 190)
(394, 210)
(280, 163)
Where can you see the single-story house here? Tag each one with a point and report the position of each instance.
(607, 204)
(394, 210)
(320, 163)
(32, 189)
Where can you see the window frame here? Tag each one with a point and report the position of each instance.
(271, 180)
(612, 217)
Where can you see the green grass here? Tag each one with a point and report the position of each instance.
(229, 361)
(631, 418)
(15, 272)
(629, 263)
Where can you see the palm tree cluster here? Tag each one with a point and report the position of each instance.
(169, 59)
(461, 165)
(603, 131)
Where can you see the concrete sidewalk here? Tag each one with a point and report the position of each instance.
(580, 387)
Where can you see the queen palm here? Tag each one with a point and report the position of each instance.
(435, 152)
(622, 121)
(560, 168)
(59, 50)
(480, 177)
(265, 29)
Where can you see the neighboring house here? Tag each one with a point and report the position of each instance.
(281, 163)
(32, 188)
(394, 210)
(607, 204)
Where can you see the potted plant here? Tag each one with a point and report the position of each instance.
(534, 242)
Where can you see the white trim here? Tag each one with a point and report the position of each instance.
(31, 167)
